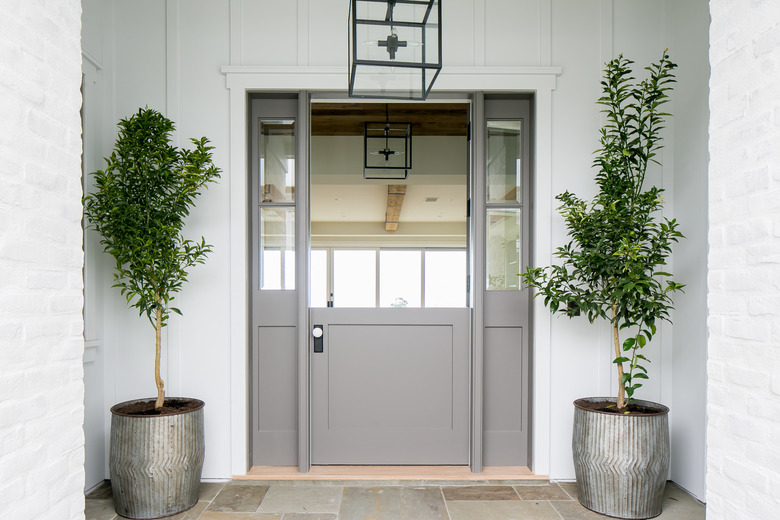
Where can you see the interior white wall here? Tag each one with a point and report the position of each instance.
(168, 56)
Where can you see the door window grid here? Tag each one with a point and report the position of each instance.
(442, 284)
(277, 203)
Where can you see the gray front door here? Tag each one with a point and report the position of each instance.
(389, 376)
(390, 386)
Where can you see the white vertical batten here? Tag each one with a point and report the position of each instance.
(303, 32)
(606, 372)
(171, 356)
(545, 33)
(236, 40)
(480, 34)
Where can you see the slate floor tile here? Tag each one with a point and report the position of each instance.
(301, 499)
(679, 505)
(310, 516)
(480, 493)
(392, 503)
(209, 490)
(501, 510)
(102, 509)
(573, 510)
(238, 498)
(101, 492)
(192, 513)
(570, 488)
(547, 492)
(238, 516)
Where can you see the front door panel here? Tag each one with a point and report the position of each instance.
(390, 387)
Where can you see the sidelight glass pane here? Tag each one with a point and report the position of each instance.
(277, 249)
(504, 161)
(354, 278)
(400, 279)
(503, 249)
(445, 278)
(277, 161)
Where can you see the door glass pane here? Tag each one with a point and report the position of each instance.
(354, 278)
(445, 278)
(277, 248)
(319, 278)
(503, 249)
(504, 161)
(400, 279)
(277, 161)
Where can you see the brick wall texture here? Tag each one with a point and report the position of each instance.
(743, 433)
(41, 345)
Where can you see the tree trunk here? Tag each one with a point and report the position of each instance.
(621, 397)
(157, 348)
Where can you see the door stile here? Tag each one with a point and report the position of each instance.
(303, 246)
(478, 247)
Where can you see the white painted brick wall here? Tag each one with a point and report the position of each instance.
(743, 434)
(41, 345)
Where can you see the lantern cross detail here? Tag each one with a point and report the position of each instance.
(392, 43)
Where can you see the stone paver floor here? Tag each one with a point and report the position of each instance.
(392, 500)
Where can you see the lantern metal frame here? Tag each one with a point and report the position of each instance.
(400, 73)
(383, 133)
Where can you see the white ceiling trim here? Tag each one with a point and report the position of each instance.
(486, 79)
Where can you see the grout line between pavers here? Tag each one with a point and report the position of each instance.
(444, 500)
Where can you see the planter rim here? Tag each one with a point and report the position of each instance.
(663, 410)
(200, 405)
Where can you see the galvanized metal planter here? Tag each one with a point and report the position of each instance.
(156, 461)
(621, 461)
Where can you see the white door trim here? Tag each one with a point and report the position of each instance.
(240, 81)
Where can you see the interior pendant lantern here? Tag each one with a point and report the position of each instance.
(387, 149)
(394, 48)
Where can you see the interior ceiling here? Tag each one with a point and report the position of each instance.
(363, 201)
(443, 119)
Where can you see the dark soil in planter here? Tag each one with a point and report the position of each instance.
(611, 407)
(171, 406)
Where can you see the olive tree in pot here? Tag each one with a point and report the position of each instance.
(138, 206)
(613, 268)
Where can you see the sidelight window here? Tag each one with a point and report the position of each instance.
(277, 204)
(504, 204)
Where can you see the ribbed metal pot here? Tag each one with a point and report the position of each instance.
(621, 461)
(156, 461)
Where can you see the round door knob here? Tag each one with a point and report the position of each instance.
(316, 332)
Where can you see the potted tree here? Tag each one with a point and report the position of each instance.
(613, 269)
(138, 207)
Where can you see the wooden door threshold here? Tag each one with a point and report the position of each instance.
(448, 473)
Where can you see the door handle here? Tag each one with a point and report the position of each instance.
(317, 333)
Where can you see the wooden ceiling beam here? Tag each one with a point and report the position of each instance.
(395, 199)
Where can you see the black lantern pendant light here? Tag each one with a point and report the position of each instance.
(387, 149)
(394, 48)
